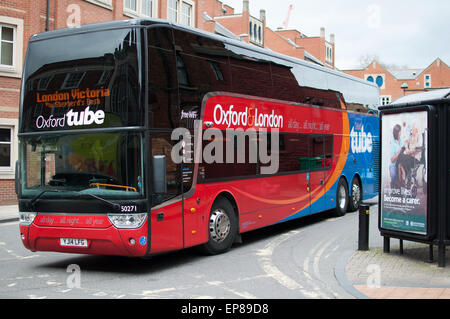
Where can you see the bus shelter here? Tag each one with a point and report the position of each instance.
(414, 190)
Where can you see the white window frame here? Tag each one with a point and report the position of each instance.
(138, 13)
(170, 9)
(385, 99)
(254, 36)
(12, 124)
(188, 17)
(14, 70)
(102, 3)
(375, 79)
(179, 12)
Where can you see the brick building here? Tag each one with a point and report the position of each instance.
(394, 83)
(20, 19)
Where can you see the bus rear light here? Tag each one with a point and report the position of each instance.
(127, 220)
(26, 218)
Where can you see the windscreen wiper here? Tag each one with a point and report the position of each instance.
(38, 196)
(114, 206)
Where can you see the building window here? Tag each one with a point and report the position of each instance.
(5, 148)
(181, 11)
(427, 81)
(385, 99)
(139, 8)
(131, 5)
(147, 7)
(255, 31)
(7, 45)
(378, 79)
(329, 54)
(11, 47)
(186, 13)
(172, 10)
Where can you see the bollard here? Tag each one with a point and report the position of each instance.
(363, 236)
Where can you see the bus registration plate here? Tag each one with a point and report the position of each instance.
(73, 242)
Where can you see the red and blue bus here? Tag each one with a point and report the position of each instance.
(98, 170)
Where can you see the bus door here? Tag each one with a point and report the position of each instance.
(327, 164)
(167, 200)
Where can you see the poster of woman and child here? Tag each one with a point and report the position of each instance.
(404, 172)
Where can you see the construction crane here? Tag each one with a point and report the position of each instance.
(286, 21)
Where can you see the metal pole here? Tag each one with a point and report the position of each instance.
(363, 235)
(441, 252)
(387, 244)
(430, 254)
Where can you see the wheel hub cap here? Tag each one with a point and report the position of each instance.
(219, 225)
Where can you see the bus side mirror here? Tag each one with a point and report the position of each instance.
(159, 174)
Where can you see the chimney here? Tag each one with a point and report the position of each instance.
(332, 38)
(246, 6)
(262, 15)
(322, 32)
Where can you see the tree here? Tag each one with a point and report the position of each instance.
(367, 59)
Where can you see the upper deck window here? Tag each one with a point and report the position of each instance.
(81, 81)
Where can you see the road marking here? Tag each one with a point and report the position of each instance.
(266, 263)
(243, 294)
(36, 297)
(154, 292)
(317, 259)
(100, 294)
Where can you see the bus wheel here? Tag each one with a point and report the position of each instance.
(341, 198)
(222, 227)
(355, 197)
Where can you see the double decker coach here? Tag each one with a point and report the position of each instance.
(102, 170)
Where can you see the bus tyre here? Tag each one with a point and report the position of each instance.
(355, 197)
(222, 227)
(341, 198)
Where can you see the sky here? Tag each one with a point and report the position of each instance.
(400, 33)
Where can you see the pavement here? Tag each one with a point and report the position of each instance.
(373, 274)
(9, 213)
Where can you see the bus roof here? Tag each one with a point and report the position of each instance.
(355, 90)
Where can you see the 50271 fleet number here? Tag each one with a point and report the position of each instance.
(128, 208)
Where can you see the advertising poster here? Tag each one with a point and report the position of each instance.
(404, 172)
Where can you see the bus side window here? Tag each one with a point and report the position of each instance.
(250, 72)
(296, 153)
(202, 67)
(232, 164)
(162, 79)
